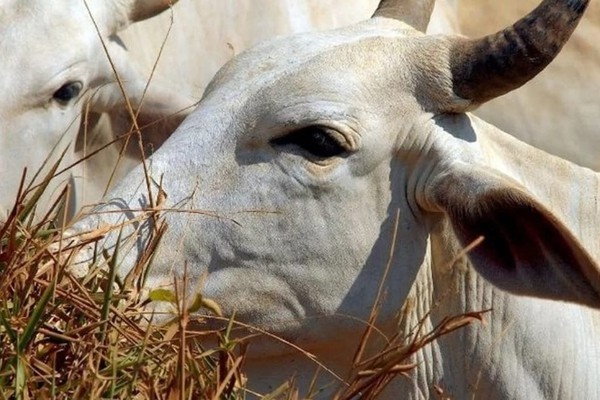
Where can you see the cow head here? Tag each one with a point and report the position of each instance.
(308, 154)
(54, 62)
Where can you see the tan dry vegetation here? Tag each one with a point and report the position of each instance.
(65, 337)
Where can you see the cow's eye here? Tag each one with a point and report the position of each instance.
(68, 92)
(316, 140)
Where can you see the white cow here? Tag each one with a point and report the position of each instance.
(193, 51)
(187, 46)
(308, 148)
(43, 112)
(205, 34)
(53, 62)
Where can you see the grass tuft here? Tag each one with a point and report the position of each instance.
(66, 337)
(69, 337)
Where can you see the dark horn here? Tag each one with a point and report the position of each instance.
(144, 9)
(413, 12)
(485, 68)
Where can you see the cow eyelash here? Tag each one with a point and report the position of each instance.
(67, 92)
(315, 140)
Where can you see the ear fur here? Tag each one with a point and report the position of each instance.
(159, 110)
(526, 250)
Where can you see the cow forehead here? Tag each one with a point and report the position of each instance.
(30, 16)
(268, 62)
(315, 75)
(42, 24)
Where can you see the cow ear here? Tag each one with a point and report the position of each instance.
(158, 109)
(526, 249)
(115, 15)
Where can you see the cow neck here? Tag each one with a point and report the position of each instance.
(502, 350)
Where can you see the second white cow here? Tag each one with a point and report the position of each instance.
(54, 65)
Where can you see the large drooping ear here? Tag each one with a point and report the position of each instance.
(526, 249)
(158, 108)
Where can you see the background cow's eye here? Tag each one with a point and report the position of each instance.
(67, 92)
(313, 139)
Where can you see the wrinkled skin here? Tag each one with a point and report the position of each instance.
(54, 66)
(187, 46)
(304, 226)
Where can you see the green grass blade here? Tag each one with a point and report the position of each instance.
(35, 318)
(21, 379)
(6, 325)
(112, 276)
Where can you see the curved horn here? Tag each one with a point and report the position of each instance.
(116, 15)
(485, 68)
(144, 9)
(413, 12)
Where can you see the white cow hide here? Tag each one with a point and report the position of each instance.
(284, 186)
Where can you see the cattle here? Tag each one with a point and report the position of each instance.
(187, 46)
(194, 40)
(195, 51)
(39, 118)
(313, 161)
(55, 64)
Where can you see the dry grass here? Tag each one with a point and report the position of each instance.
(64, 337)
